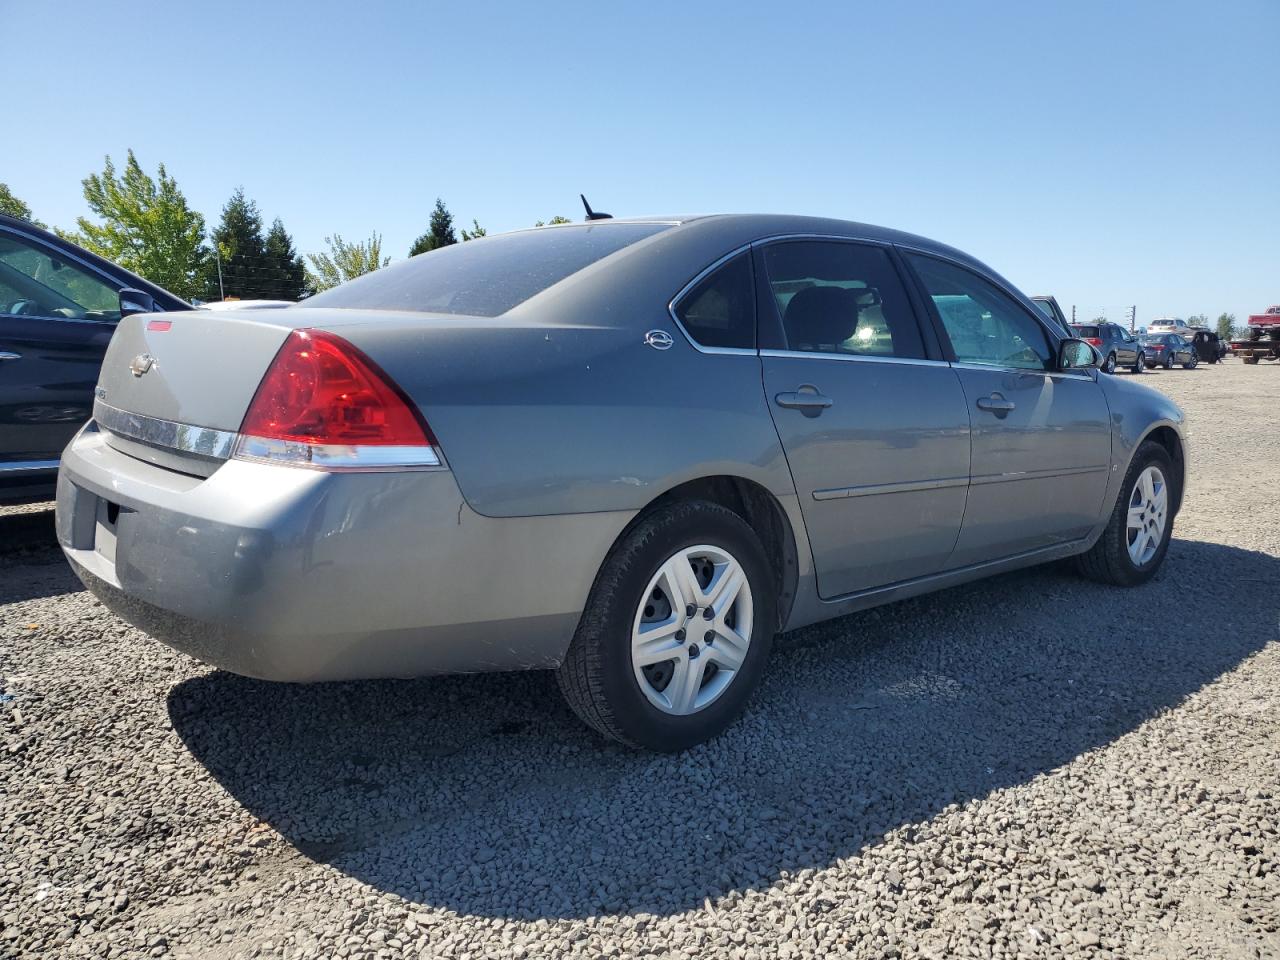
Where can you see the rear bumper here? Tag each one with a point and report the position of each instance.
(285, 573)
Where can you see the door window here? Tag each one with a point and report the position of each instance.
(36, 281)
(984, 324)
(835, 297)
(720, 311)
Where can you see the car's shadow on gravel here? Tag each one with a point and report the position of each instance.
(484, 795)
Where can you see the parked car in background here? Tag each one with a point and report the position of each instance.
(1049, 307)
(1260, 338)
(1171, 325)
(242, 304)
(1167, 349)
(629, 451)
(1115, 345)
(59, 305)
(1208, 346)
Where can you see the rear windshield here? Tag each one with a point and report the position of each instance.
(1083, 331)
(485, 277)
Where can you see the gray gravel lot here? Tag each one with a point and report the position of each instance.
(1032, 766)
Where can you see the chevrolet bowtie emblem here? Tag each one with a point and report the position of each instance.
(142, 363)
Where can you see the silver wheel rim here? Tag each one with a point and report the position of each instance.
(692, 630)
(1148, 514)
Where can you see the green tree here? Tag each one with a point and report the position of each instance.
(1197, 320)
(439, 231)
(1226, 325)
(238, 243)
(14, 207)
(146, 226)
(344, 261)
(288, 269)
(475, 231)
(553, 221)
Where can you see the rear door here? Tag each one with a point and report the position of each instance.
(1041, 438)
(56, 318)
(875, 431)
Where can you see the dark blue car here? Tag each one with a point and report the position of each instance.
(59, 305)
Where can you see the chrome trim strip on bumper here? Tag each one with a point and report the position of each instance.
(839, 493)
(183, 437)
(28, 466)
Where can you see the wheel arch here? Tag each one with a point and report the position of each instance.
(759, 508)
(1169, 438)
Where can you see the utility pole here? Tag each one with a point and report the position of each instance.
(1133, 318)
(1073, 313)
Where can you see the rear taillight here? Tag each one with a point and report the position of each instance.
(323, 403)
(1157, 347)
(1095, 341)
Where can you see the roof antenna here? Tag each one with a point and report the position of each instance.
(591, 214)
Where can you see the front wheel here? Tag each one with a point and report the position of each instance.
(1136, 539)
(676, 631)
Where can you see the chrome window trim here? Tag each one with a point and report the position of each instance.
(698, 278)
(1079, 374)
(184, 437)
(28, 466)
(857, 357)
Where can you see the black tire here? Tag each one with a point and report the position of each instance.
(1109, 364)
(1137, 363)
(597, 677)
(1191, 364)
(1108, 560)
(1168, 360)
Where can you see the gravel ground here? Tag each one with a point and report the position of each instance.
(1032, 766)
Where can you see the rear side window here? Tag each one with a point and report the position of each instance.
(837, 297)
(720, 310)
(489, 276)
(1083, 331)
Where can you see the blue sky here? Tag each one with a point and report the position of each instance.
(1110, 153)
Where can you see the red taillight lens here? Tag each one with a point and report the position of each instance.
(1095, 341)
(1155, 346)
(325, 403)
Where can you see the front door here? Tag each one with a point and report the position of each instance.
(1041, 438)
(877, 436)
(56, 318)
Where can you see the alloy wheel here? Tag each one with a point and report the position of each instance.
(691, 632)
(1148, 514)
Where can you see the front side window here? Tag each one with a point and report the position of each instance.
(35, 281)
(720, 311)
(838, 297)
(985, 325)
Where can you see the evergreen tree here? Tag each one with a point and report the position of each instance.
(475, 232)
(439, 231)
(289, 269)
(247, 273)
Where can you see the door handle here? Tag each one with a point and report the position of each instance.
(10, 356)
(996, 404)
(806, 399)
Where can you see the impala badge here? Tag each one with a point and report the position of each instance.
(658, 339)
(142, 363)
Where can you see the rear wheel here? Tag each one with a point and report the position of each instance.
(1109, 364)
(676, 631)
(1192, 363)
(1137, 363)
(1168, 360)
(1136, 539)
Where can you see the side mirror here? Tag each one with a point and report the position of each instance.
(135, 301)
(1076, 355)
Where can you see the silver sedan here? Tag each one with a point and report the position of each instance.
(628, 451)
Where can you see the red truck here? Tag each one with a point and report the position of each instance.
(1260, 340)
